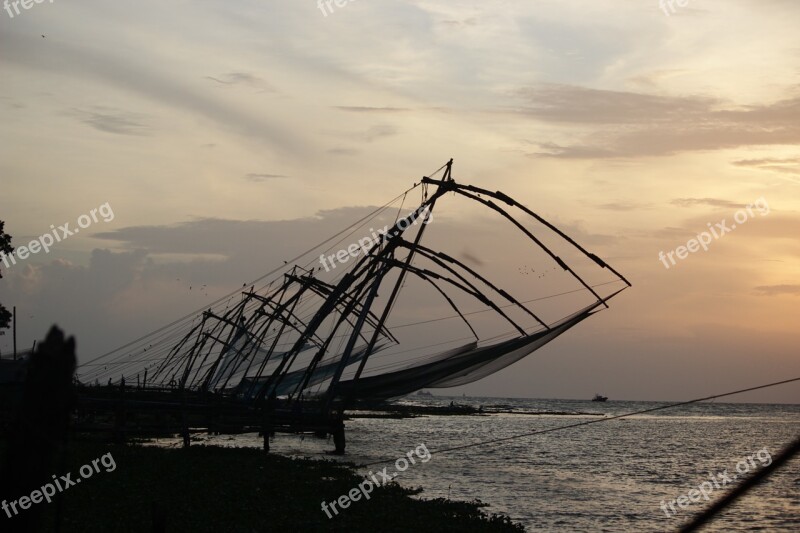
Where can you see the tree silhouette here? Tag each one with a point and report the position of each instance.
(5, 248)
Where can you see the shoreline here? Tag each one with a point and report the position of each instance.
(397, 410)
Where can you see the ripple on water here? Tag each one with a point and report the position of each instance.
(608, 476)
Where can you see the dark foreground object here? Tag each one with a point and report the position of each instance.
(35, 419)
(235, 489)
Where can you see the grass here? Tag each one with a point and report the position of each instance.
(242, 490)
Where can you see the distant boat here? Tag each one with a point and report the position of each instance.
(424, 393)
(599, 398)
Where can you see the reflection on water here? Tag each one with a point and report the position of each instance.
(609, 476)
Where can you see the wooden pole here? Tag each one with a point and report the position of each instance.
(15, 333)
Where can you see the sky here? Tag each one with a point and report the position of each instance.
(214, 140)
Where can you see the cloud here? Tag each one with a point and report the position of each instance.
(623, 206)
(653, 80)
(579, 233)
(146, 281)
(232, 238)
(713, 202)
(375, 132)
(787, 165)
(472, 21)
(363, 109)
(258, 178)
(581, 105)
(81, 299)
(12, 102)
(776, 290)
(343, 151)
(111, 120)
(573, 152)
(89, 63)
(242, 78)
(469, 257)
(372, 134)
(630, 124)
(773, 235)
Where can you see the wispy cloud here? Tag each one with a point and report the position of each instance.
(472, 21)
(582, 105)
(111, 120)
(786, 166)
(375, 132)
(263, 177)
(242, 78)
(623, 206)
(343, 151)
(776, 290)
(111, 69)
(369, 135)
(364, 109)
(713, 202)
(631, 124)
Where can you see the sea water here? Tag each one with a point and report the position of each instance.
(615, 475)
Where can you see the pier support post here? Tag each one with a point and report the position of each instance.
(338, 437)
(184, 421)
(120, 415)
